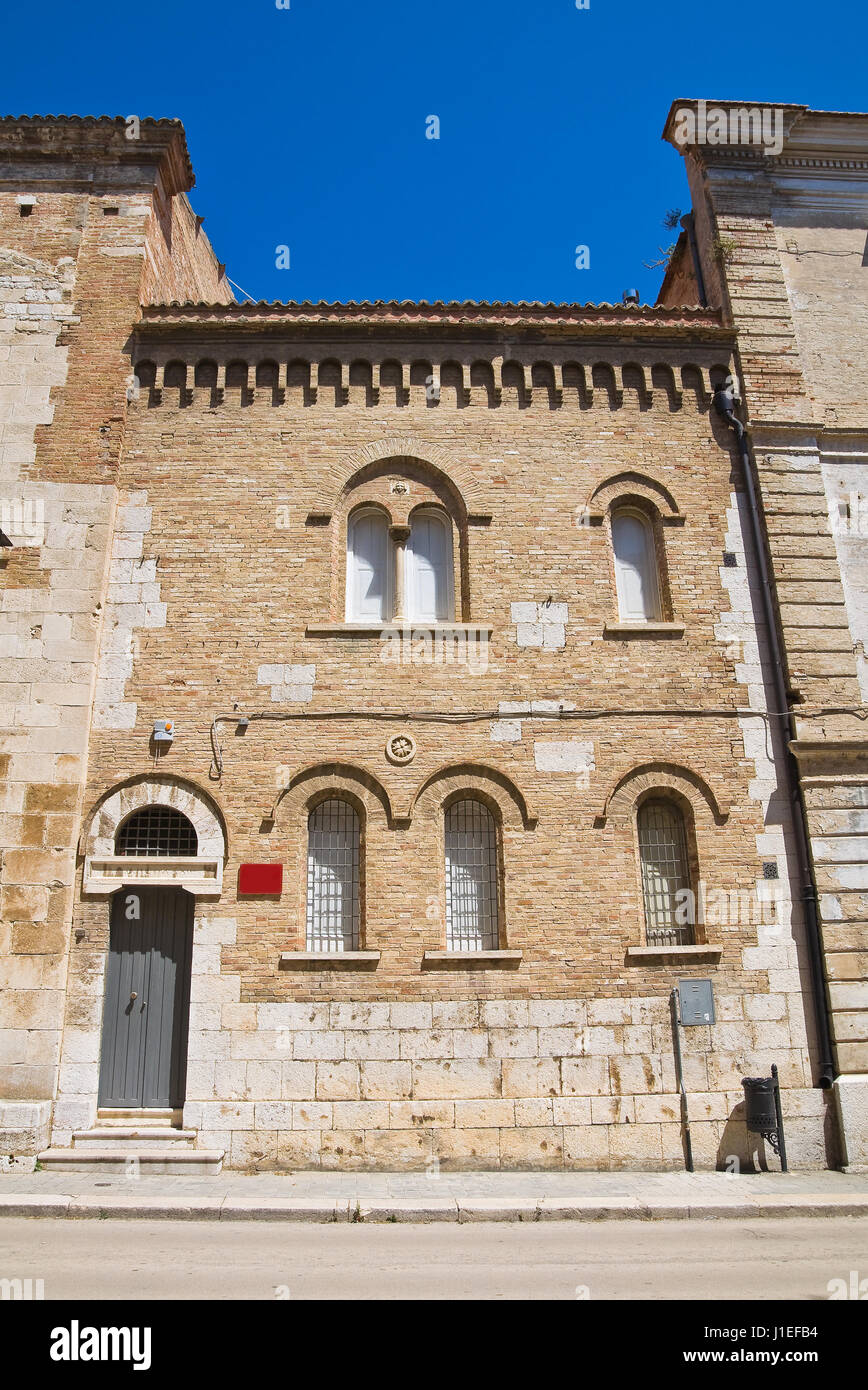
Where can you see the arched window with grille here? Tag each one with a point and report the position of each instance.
(369, 568)
(666, 878)
(472, 877)
(333, 863)
(157, 830)
(429, 584)
(636, 577)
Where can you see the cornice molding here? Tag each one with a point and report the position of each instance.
(509, 323)
(83, 151)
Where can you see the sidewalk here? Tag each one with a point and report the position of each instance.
(449, 1196)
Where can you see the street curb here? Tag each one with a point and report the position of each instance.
(337, 1210)
(26, 1204)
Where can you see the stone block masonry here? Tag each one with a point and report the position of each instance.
(485, 1083)
(562, 1057)
(787, 255)
(71, 279)
(200, 468)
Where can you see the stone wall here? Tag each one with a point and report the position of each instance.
(194, 567)
(468, 1082)
(783, 239)
(76, 222)
(238, 498)
(49, 609)
(483, 1083)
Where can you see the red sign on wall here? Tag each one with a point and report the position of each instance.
(260, 878)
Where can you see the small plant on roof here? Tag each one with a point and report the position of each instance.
(665, 260)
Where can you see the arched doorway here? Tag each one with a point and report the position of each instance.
(143, 1054)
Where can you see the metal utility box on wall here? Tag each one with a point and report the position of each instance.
(164, 730)
(696, 1002)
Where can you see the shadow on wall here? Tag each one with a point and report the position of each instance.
(750, 1151)
(753, 1155)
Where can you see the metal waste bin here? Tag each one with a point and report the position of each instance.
(759, 1104)
(762, 1111)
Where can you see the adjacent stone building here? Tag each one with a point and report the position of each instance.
(780, 232)
(389, 715)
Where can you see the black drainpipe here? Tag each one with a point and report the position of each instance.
(724, 404)
(689, 226)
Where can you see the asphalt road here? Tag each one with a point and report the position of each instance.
(765, 1259)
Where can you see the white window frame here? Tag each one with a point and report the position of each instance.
(352, 604)
(411, 586)
(652, 611)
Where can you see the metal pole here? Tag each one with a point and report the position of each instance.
(685, 1119)
(782, 1148)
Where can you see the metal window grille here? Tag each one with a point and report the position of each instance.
(333, 877)
(665, 871)
(157, 830)
(471, 878)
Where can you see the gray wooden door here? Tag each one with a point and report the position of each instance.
(147, 1002)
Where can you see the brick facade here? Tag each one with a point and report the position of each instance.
(238, 441)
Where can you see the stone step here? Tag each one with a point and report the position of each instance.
(168, 1158)
(139, 1119)
(130, 1139)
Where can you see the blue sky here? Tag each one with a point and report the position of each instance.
(307, 126)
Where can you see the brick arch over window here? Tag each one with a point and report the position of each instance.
(456, 476)
(474, 780)
(318, 781)
(626, 486)
(664, 779)
(400, 487)
(120, 802)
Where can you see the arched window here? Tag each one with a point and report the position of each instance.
(665, 873)
(157, 830)
(333, 841)
(369, 568)
(472, 912)
(428, 586)
(635, 567)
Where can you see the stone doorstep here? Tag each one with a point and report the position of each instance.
(152, 1139)
(155, 1158)
(130, 1140)
(140, 1119)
